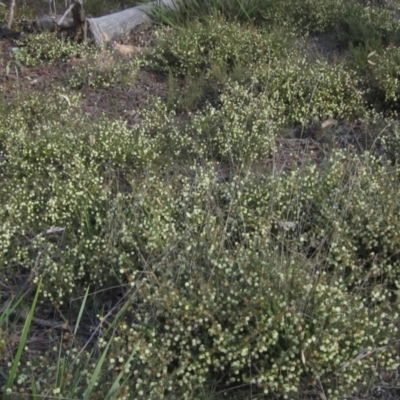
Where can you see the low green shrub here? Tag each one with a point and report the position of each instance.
(37, 49)
(62, 172)
(236, 127)
(321, 90)
(235, 278)
(271, 282)
(309, 16)
(232, 10)
(389, 140)
(378, 73)
(223, 305)
(59, 172)
(3, 13)
(304, 17)
(239, 130)
(361, 25)
(192, 50)
(385, 76)
(250, 318)
(102, 69)
(195, 92)
(338, 223)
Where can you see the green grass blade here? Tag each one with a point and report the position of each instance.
(116, 383)
(96, 372)
(81, 311)
(60, 373)
(9, 308)
(34, 391)
(28, 322)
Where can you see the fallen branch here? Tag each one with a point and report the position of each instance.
(105, 29)
(61, 20)
(113, 26)
(47, 24)
(11, 14)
